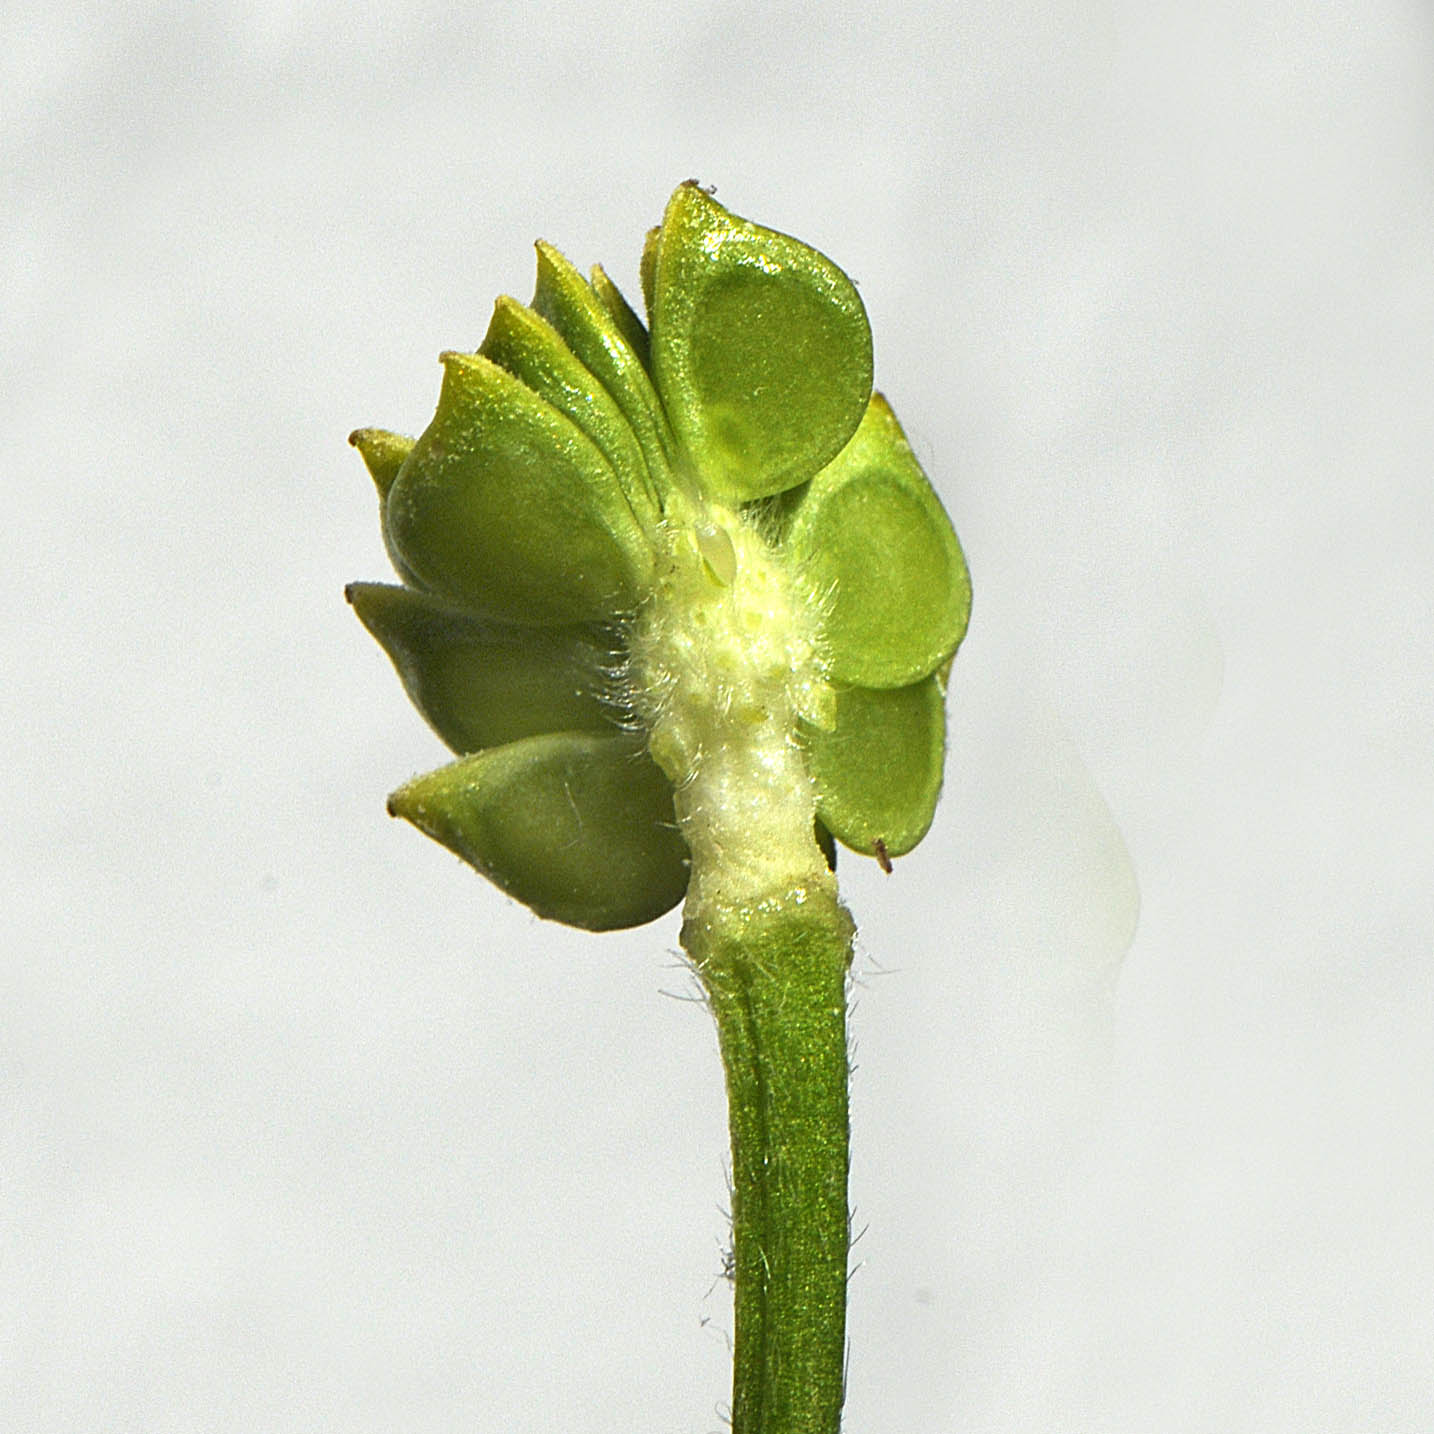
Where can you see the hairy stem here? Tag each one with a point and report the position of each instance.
(725, 667)
(777, 985)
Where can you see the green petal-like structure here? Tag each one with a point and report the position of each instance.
(506, 508)
(384, 454)
(761, 350)
(578, 827)
(647, 269)
(480, 684)
(881, 556)
(622, 314)
(878, 771)
(563, 297)
(524, 343)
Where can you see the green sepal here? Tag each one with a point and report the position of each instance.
(507, 508)
(878, 771)
(875, 545)
(383, 454)
(527, 345)
(622, 313)
(480, 684)
(578, 827)
(761, 349)
(567, 301)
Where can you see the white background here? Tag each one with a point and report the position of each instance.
(304, 1128)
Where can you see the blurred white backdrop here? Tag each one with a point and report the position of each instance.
(303, 1127)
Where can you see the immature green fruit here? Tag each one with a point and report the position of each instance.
(678, 593)
(760, 349)
(506, 507)
(567, 301)
(523, 342)
(876, 544)
(878, 770)
(576, 826)
(481, 684)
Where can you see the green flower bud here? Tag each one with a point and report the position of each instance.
(680, 592)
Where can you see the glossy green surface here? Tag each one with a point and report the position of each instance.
(760, 349)
(622, 314)
(383, 454)
(567, 301)
(578, 827)
(876, 545)
(507, 508)
(526, 344)
(878, 771)
(480, 684)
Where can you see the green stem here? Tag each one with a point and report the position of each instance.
(725, 664)
(776, 980)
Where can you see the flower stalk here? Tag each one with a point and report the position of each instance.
(776, 983)
(684, 604)
(725, 657)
